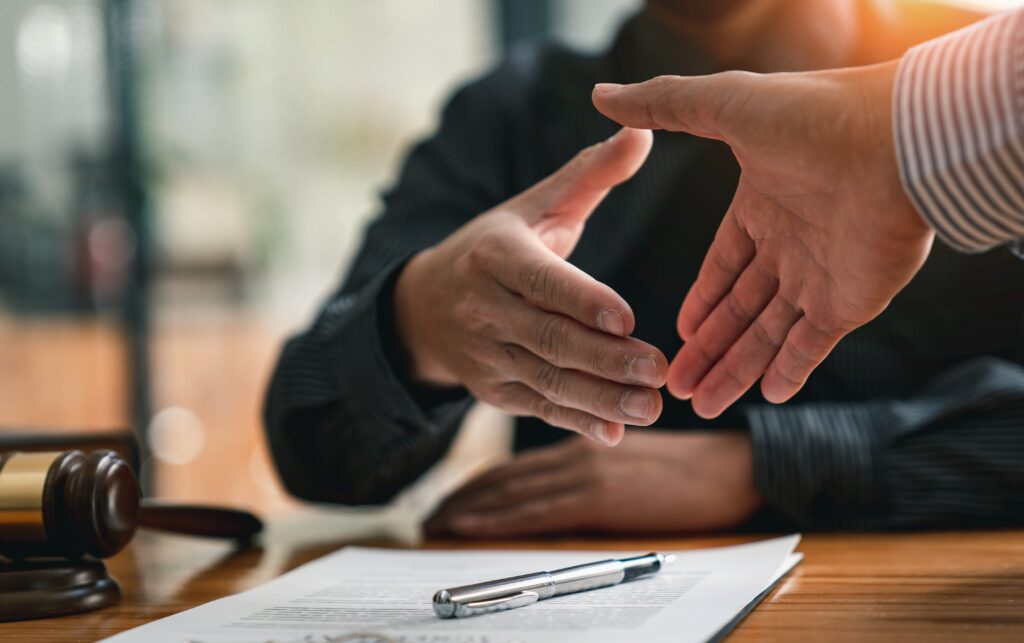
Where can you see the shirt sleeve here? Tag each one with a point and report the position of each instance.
(343, 421)
(952, 455)
(958, 121)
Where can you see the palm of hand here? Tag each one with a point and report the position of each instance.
(816, 243)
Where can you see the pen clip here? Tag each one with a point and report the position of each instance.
(502, 603)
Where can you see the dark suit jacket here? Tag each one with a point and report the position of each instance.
(916, 419)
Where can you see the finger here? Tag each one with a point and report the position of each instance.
(722, 328)
(675, 103)
(569, 196)
(520, 399)
(516, 490)
(559, 513)
(524, 464)
(577, 390)
(564, 343)
(549, 282)
(805, 347)
(729, 255)
(737, 371)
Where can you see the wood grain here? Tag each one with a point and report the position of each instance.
(949, 586)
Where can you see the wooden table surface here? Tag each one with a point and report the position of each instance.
(950, 586)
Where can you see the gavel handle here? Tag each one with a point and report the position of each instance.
(199, 520)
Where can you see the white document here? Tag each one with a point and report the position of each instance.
(361, 594)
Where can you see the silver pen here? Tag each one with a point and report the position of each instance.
(519, 591)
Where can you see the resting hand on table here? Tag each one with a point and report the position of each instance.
(820, 235)
(497, 309)
(654, 482)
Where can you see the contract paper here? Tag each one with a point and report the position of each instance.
(381, 595)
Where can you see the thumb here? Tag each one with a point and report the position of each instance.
(691, 104)
(558, 207)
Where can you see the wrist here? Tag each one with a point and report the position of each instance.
(875, 84)
(727, 457)
(413, 327)
(737, 450)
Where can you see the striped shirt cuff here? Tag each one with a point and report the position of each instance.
(958, 120)
(816, 463)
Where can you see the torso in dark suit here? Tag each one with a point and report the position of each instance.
(872, 440)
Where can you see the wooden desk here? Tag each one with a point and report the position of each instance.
(934, 587)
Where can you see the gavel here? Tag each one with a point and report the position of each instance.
(69, 504)
(60, 510)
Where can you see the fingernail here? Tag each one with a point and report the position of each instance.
(611, 321)
(636, 404)
(642, 369)
(601, 433)
(607, 88)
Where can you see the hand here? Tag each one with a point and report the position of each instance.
(497, 309)
(820, 235)
(654, 482)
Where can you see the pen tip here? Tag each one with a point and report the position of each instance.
(670, 558)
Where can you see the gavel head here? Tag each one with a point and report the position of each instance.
(66, 504)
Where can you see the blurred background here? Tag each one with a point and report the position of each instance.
(183, 181)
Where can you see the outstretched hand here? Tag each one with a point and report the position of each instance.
(820, 235)
(496, 307)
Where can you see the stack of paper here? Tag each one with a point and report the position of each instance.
(361, 594)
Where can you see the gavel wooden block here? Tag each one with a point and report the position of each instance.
(59, 513)
(63, 511)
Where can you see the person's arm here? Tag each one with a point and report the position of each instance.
(654, 482)
(952, 455)
(959, 128)
(822, 233)
(493, 308)
(344, 422)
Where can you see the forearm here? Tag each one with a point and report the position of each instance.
(958, 108)
(343, 424)
(951, 456)
(345, 421)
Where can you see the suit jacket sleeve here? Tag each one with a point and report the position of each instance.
(952, 455)
(344, 423)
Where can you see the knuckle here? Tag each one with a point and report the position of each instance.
(662, 82)
(788, 375)
(551, 379)
(577, 169)
(724, 265)
(799, 357)
(552, 335)
(600, 404)
(502, 395)
(733, 375)
(736, 308)
(607, 364)
(761, 334)
(547, 411)
(474, 313)
(483, 252)
(584, 157)
(538, 281)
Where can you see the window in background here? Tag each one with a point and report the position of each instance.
(65, 248)
(268, 128)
